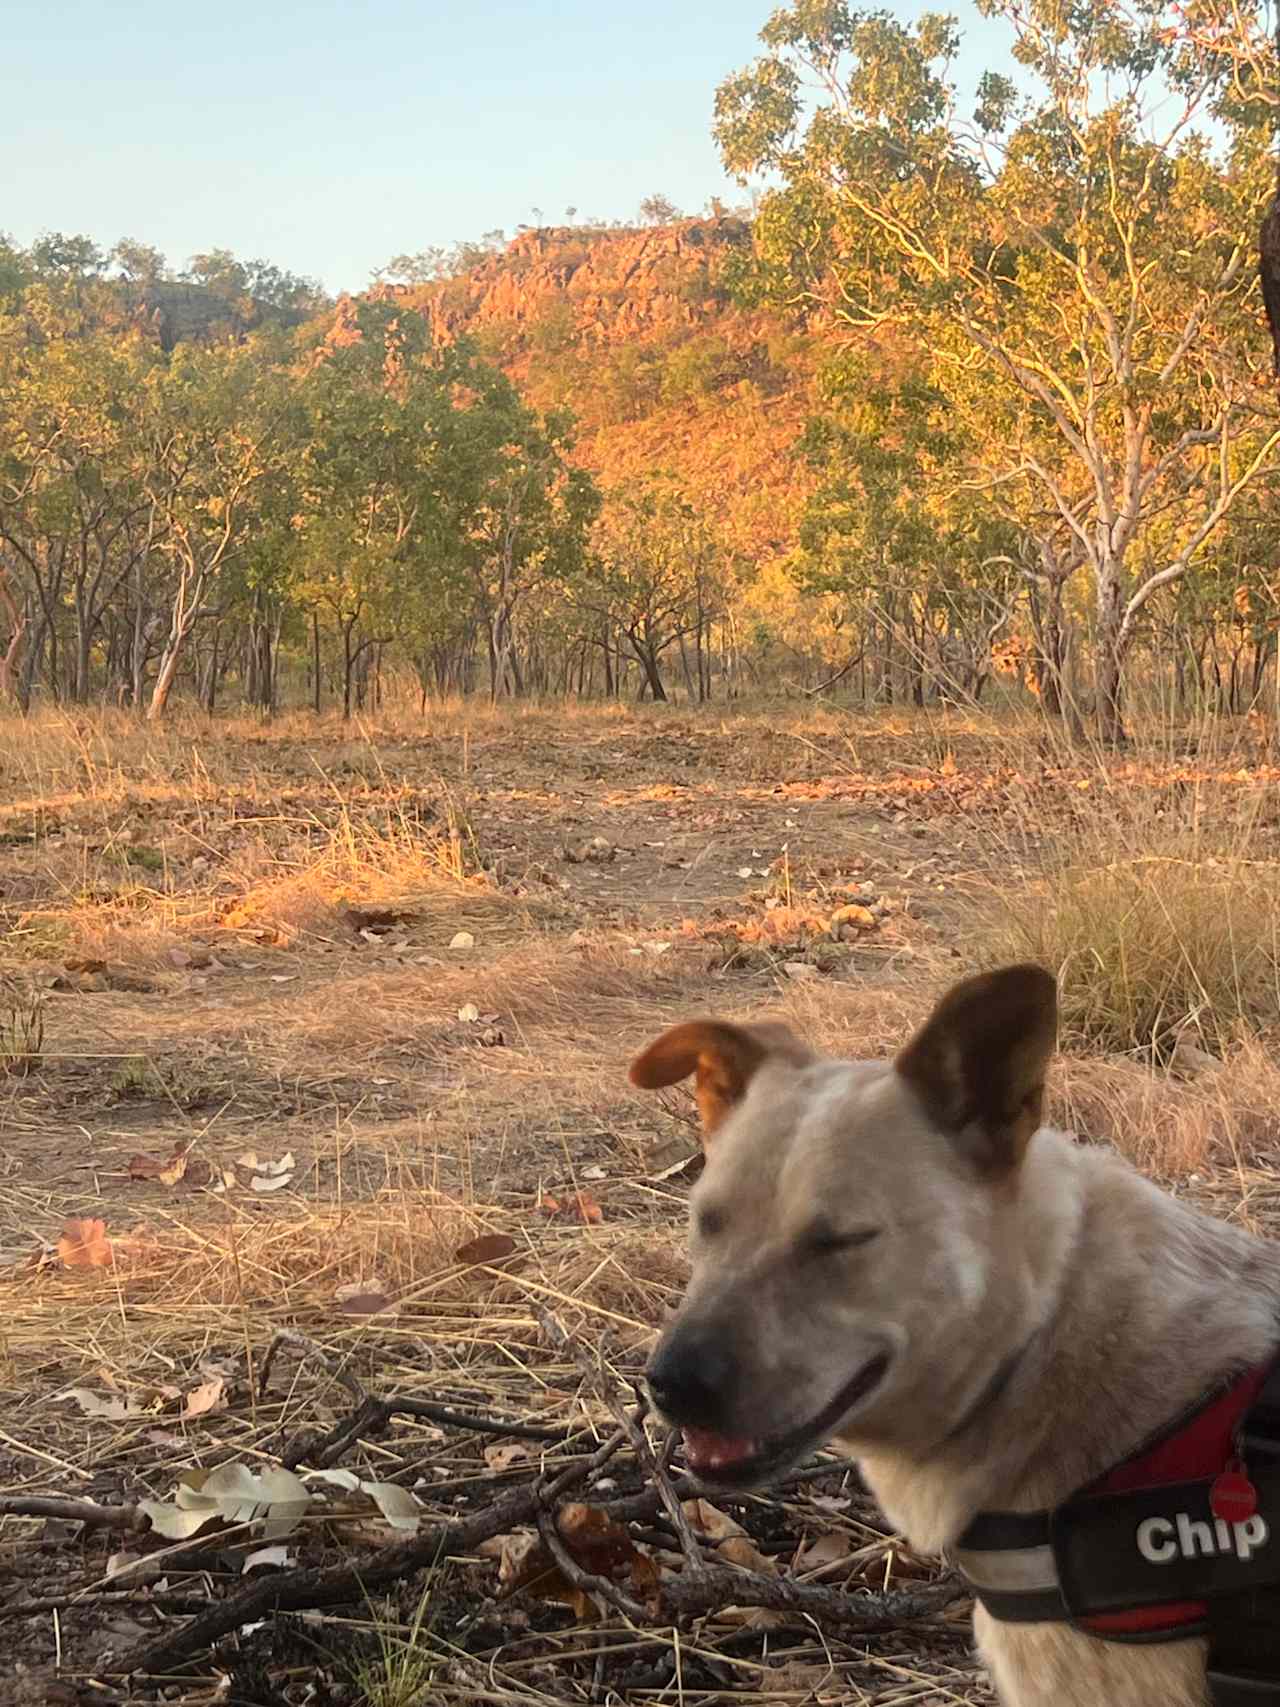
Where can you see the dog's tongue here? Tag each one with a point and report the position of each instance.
(705, 1450)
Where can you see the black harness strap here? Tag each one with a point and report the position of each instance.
(1244, 1629)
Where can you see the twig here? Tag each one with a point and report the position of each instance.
(88, 1512)
(113, 1597)
(308, 1348)
(718, 1586)
(657, 1467)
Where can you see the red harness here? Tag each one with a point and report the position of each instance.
(1199, 1446)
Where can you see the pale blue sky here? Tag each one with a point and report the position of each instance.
(327, 137)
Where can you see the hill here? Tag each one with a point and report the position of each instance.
(635, 331)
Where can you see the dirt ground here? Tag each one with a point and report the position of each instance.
(292, 1015)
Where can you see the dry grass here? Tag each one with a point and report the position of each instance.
(1157, 904)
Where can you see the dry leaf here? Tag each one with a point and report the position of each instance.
(825, 1550)
(199, 1172)
(208, 1396)
(94, 1405)
(503, 1454)
(848, 921)
(463, 939)
(468, 1013)
(363, 1298)
(270, 1182)
(174, 1168)
(143, 1166)
(234, 1494)
(168, 1170)
(84, 1244)
(489, 1247)
(266, 1558)
(578, 1206)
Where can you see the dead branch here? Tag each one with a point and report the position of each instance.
(718, 1586)
(81, 1601)
(700, 1589)
(332, 1585)
(88, 1512)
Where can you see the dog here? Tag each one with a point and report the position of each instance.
(898, 1260)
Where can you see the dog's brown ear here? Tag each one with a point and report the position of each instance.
(980, 1061)
(724, 1057)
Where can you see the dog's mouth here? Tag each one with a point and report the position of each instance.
(738, 1460)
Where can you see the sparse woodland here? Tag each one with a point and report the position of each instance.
(412, 704)
(975, 396)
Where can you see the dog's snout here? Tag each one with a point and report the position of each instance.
(690, 1378)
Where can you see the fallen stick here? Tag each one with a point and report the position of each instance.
(717, 1586)
(88, 1512)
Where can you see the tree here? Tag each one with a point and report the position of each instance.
(513, 498)
(655, 577)
(1074, 261)
(217, 434)
(238, 283)
(139, 262)
(658, 210)
(890, 533)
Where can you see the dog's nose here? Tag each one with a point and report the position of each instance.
(689, 1377)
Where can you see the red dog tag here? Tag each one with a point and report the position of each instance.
(1233, 1496)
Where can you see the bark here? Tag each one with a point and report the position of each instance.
(17, 620)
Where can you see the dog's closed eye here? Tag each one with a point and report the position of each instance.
(824, 1240)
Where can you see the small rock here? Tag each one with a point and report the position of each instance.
(799, 970)
(463, 939)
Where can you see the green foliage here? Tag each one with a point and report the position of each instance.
(1080, 288)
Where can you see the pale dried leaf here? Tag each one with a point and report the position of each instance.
(94, 1405)
(397, 1504)
(270, 1182)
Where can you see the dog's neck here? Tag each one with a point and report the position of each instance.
(1118, 1308)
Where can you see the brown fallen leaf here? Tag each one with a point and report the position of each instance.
(851, 920)
(578, 1206)
(167, 1169)
(364, 1298)
(208, 1396)
(489, 1247)
(84, 1244)
(199, 1172)
(503, 1454)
